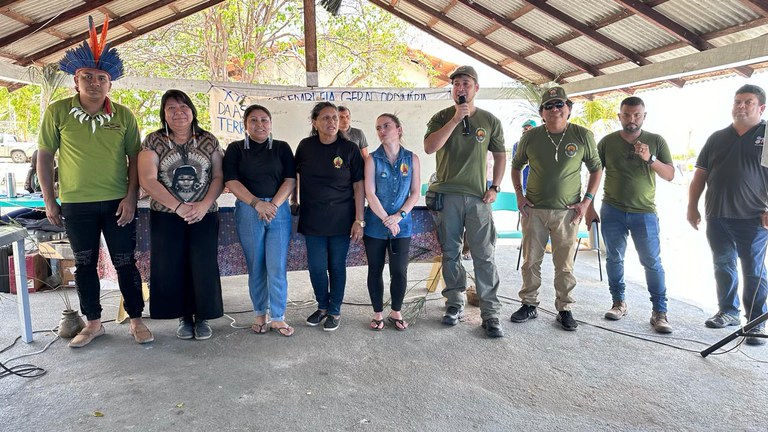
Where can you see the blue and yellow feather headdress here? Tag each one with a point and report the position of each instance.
(95, 53)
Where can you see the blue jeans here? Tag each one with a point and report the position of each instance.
(265, 245)
(327, 262)
(644, 228)
(745, 238)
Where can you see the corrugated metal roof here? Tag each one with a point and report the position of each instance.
(587, 11)
(566, 37)
(704, 16)
(603, 36)
(511, 41)
(543, 26)
(637, 34)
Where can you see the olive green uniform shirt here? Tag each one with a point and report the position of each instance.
(461, 161)
(554, 180)
(93, 151)
(630, 183)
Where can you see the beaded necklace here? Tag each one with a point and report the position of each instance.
(557, 146)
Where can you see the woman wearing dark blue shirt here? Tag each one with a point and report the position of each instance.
(392, 189)
(261, 173)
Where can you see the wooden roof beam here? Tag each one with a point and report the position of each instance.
(169, 20)
(17, 17)
(677, 45)
(80, 37)
(743, 53)
(759, 7)
(423, 27)
(744, 71)
(677, 82)
(520, 12)
(525, 34)
(480, 38)
(663, 22)
(450, 6)
(585, 30)
(41, 25)
(737, 28)
(56, 33)
(605, 22)
(105, 10)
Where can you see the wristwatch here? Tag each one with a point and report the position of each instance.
(403, 214)
(651, 159)
(361, 222)
(497, 188)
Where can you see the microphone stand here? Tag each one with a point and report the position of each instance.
(743, 331)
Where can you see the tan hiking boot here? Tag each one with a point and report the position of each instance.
(660, 323)
(617, 311)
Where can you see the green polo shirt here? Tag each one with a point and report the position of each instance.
(461, 161)
(630, 183)
(554, 180)
(93, 152)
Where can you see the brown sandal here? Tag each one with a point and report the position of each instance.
(260, 328)
(377, 324)
(286, 331)
(400, 325)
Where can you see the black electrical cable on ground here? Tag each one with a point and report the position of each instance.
(25, 370)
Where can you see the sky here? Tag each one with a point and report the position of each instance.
(685, 117)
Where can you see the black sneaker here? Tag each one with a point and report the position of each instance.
(316, 318)
(202, 330)
(452, 315)
(756, 341)
(523, 314)
(565, 318)
(186, 329)
(492, 328)
(331, 323)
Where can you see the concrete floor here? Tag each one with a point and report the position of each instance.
(430, 377)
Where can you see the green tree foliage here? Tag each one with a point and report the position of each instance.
(362, 46)
(263, 42)
(527, 99)
(20, 112)
(232, 39)
(245, 41)
(599, 116)
(145, 105)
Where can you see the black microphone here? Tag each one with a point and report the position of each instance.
(465, 120)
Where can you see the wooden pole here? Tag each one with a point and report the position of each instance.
(310, 42)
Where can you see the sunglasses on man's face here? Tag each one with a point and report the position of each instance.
(549, 105)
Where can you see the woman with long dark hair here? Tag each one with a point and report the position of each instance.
(180, 169)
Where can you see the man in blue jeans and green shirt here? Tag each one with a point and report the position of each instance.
(632, 158)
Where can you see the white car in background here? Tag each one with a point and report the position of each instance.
(18, 151)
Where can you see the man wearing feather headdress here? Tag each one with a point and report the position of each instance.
(98, 142)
